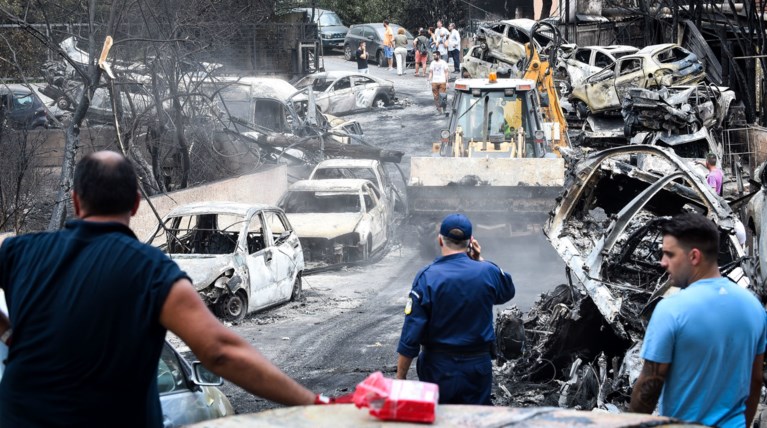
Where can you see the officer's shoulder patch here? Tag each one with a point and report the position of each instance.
(409, 306)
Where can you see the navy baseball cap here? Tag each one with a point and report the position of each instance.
(456, 226)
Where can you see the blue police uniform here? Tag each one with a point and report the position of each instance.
(450, 315)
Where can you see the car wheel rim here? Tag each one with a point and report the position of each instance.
(234, 306)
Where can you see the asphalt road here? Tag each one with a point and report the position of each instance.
(349, 323)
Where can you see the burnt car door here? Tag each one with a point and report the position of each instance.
(377, 212)
(630, 74)
(341, 98)
(365, 90)
(285, 251)
(600, 90)
(263, 276)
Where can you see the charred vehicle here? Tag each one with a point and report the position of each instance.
(584, 61)
(498, 162)
(188, 392)
(478, 64)
(506, 40)
(756, 220)
(344, 92)
(338, 220)
(579, 345)
(602, 132)
(241, 258)
(692, 148)
(677, 109)
(653, 66)
(365, 169)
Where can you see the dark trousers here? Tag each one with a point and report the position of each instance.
(456, 55)
(462, 379)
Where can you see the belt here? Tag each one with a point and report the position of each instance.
(464, 351)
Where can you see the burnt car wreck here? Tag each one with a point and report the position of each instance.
(579, 345)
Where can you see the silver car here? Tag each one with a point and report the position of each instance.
(188, 392)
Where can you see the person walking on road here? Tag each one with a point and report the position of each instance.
(438, 76)
(704, 346)
(362, 59)
(388, 44)
(715, 176)
(89, 307)
(400, 51)
(449, 317)
(454, 47)
(421, 47)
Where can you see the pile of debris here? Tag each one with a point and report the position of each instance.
(578, 347)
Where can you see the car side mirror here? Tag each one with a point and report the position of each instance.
(204, 377)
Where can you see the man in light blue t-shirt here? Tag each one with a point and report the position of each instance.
(704, 346)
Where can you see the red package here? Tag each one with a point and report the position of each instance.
(397, 400)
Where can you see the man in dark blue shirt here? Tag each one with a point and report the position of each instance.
(89, 306)
(449, 317)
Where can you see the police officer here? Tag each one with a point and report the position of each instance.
(449, 317)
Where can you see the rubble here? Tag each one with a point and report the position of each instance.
(581, 341)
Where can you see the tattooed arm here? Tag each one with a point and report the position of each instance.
(648, 387)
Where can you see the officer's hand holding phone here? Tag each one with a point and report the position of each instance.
(474, 250)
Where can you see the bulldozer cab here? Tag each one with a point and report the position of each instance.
(499, 119)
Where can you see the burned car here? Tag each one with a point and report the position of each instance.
(579, 345)
(478, 64)
(692, 148)
(584, 61)
(677, 109)
(344, 92)
(756, 219)
(338, 220)
(365, 169)
(653, 66)
(506, 40)
(188, 392)
(241, 258)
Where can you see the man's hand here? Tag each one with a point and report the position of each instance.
(647, 389)
(403, 365)
(475, 250)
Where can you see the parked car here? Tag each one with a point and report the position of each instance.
(342, 92)
(339, 220)
(505, 40)
(332, 30)
(372, 35)
(587, 60)
(23, 108)
(366, 169)
(188, 392)
(241, 258)
(653, 66)
(478, 64)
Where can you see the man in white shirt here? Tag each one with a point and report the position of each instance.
(454, 47)
(440, 35)
(438, 76)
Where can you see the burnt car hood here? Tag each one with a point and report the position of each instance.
(605, 229)
(328, 225)
(204, 269)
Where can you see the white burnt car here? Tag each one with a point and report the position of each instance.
(584, 61)
(478, 64)
(505, 40)
(343, 92)
(338, 220)
(650, 67)
(241, 257)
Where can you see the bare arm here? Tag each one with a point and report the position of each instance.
(647, 389)
(224, 352)
(403, 365)
(755, 390)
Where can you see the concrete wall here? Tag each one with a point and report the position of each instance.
(264, 187)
